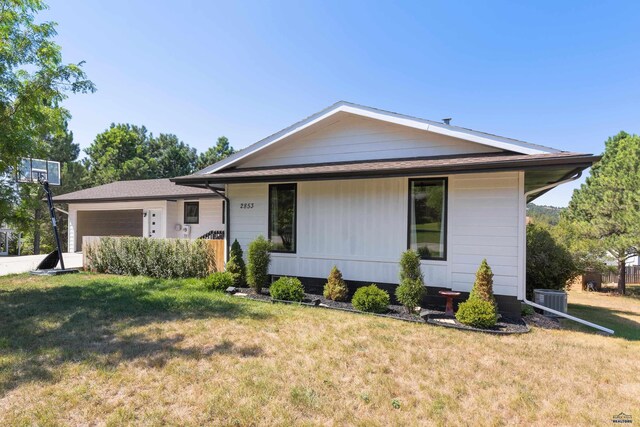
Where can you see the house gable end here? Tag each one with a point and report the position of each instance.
(327, 115)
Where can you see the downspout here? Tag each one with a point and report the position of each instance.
(227, 224)
(524, 286)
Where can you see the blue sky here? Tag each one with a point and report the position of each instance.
(564, 74)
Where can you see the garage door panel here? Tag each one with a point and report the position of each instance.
(109, 223)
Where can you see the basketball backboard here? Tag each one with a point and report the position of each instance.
(31, 169)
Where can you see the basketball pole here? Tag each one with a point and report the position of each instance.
(52, 213)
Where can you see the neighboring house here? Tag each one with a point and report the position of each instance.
(355, 186)
(151, 208)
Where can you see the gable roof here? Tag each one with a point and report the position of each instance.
(487, 139)
(143, 189)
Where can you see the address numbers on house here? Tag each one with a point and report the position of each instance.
(246, 205)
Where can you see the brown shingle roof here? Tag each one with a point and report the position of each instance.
(145, 189)
(393, 167)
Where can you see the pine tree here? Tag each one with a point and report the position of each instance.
(236, 265)
(335, 289)
(483, 286)
(605, 210)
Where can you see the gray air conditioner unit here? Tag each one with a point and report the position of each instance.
(556, 300)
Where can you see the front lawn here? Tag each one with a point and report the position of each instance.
(620, 313)
(97, 349)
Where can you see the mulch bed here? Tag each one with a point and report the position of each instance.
(504, 325)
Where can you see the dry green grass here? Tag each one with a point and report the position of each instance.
(107, 350)
(620, 313)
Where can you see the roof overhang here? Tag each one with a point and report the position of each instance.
(61, 199)
(445, 165)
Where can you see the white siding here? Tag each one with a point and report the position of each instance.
(172, 214)
(210, 216)
(485, 223)
(361, 226)
(347, 137)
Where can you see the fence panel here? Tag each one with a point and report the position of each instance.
(632, 274)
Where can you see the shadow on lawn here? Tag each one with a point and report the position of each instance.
(43, 328)
(608, 317)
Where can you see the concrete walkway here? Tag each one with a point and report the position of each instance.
(23, 264)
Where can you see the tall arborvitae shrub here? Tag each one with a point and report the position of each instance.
(335, 289)
(483, 286)
(236, 265)
(258, 258)
(411, 288)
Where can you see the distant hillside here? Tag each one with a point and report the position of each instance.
(544, 214)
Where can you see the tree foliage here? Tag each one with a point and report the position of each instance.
(221, 151)
(605, 210)
(126, 152)
(171, 157)
(549, 264)
(33, 83)
(119, 153)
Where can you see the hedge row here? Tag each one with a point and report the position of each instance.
(162, 258)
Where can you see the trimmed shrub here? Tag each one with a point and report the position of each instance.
(219, 281)
(335, 289)
(409, 293)
(258, 258)
(411, 288)
(483, 286)
(410, 266)
(287, 289)
(371, 298)
(477, 313)
(235, 265)
(141, 256)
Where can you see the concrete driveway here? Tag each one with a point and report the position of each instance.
(23, 264)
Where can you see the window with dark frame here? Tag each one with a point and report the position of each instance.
(191, 212)
(282, 217)
(427, 230)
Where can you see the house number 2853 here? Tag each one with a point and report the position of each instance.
(246, 205)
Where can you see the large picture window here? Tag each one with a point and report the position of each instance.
(427, 217)
(282, 217)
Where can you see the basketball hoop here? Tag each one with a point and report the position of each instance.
(45, 173)
(32, 170)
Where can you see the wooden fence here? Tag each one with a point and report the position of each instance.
(632, 275)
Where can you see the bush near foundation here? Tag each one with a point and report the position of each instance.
(141, 256)
(371, 298)
(287, 289)
(335, 289)
(411, 288)
(258, 258)
(235, 265)
(477, 313)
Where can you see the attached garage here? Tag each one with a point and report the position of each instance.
(155, 208)
(108, 223)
